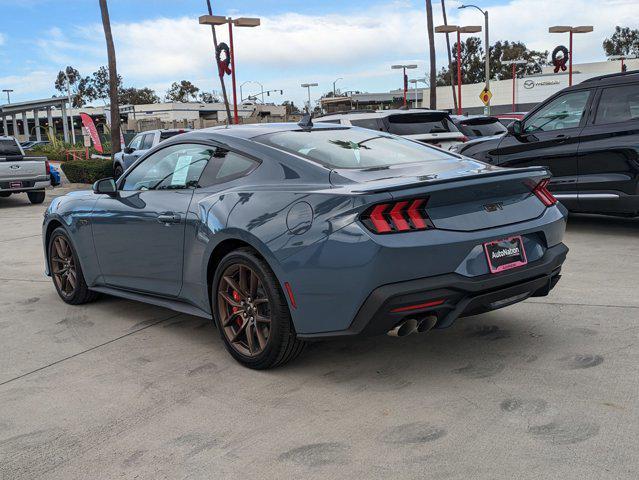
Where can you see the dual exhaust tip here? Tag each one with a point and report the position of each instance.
(413, 325)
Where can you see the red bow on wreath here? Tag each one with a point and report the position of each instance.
(223, 62)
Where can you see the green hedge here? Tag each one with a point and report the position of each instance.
(87, 171)
(56, 152)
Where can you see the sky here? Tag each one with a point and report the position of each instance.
(299, 41)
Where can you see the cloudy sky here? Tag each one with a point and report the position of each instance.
(160, 41)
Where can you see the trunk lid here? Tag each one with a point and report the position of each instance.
(23, 169)
(463, 195)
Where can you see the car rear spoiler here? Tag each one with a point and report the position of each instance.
(513, 173)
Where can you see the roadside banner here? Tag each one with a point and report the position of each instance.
(87, 121)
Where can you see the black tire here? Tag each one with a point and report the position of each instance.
(282, 344)
(117, 171)
(81, 293)
(5, 194)
(36, 197)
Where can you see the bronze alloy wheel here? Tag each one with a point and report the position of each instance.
(243, 308)
(63, 266)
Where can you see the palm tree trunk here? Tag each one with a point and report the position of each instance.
(450, 59)
(113, 79)
(431, 51)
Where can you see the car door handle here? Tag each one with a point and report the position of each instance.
(562, 138)
(169, 218)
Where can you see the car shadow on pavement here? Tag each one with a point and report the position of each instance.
(582, 223)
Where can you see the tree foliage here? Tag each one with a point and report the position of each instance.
(182, 92)
(138, 96)
(210, 97)
(473, 61)
(80, 87)
(100, 83)
(624, 41)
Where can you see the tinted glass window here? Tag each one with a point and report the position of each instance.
(9, 147)
(419, 123)
(482, 128)
(564, 111)
(165, 135)
(174, 167)
(352, 148)
(226, 166)
(618, 104)
(135, 143)
(370, 123)
(148, 141)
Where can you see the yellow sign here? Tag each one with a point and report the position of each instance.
(485, 96)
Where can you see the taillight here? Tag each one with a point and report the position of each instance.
(47, 166)
(465, 139)
(400, 216)
(543, 194)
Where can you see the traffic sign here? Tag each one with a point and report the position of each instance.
(485, 96)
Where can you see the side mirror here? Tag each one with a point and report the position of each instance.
(105, 186)
(515, 128)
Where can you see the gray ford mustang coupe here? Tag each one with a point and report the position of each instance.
(284, 233)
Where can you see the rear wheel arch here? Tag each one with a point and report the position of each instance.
(221, 250)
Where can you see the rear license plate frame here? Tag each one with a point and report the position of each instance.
(506, 261)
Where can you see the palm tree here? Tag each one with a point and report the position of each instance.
(431, 47)
(113, 79)
(450, 61)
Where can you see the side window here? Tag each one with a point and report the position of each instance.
(148, 141)
(226, 166)
(174, 167)
(370, 123)
(564, 111)
(135, 143)
(618, 104)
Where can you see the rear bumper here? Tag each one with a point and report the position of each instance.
(462, 296)
(27, 185)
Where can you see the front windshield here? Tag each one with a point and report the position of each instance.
(352, 147)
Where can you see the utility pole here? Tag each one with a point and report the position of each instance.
(70, 106)
(113, 79)
(7, 91)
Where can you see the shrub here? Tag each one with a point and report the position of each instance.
(87, 171)
(56, 152)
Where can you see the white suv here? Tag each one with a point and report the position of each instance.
(429, 126)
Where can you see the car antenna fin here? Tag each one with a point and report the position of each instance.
(306, 123)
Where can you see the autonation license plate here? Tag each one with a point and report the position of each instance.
(505, 254)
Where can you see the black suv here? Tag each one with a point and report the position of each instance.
(588, 135)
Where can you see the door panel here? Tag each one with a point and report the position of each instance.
(550, 137)
(139, 239)
(139, 233)
(609, 152)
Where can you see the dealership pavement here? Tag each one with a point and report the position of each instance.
(116, 389)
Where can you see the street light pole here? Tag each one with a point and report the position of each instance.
(487, 47)
(459, 30)
(70, 106)
(414, 82)
(334, 91)
(404, 79)
(514, 64)
(570, 30)
(214, 20)
(308, 86)
(7, 91)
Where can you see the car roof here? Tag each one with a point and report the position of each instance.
(256, 129)
(359, 114)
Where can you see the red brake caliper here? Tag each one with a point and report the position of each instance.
(237, 298)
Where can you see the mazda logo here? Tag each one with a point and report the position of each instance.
(529, 84)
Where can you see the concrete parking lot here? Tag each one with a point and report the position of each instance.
(116, 389)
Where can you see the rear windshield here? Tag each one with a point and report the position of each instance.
(9, 147)
(352, 147)
(420, 123)
(165, 135)
(482, 128)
